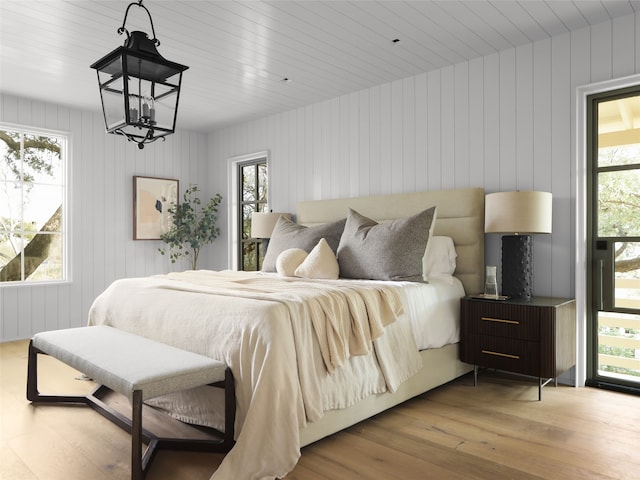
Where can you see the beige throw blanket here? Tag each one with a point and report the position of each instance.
(259, 325)
(346, 316)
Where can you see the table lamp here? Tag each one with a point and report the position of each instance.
(518, 215)
(263, 223)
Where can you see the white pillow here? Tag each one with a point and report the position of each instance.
(289, 260)
(321, 263)
(440, 257)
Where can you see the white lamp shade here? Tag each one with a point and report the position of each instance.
(263, 223)
(518, 212)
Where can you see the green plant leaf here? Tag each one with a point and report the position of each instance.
(192, 226)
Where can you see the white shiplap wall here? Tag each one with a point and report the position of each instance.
(505, 121)
(100, 206)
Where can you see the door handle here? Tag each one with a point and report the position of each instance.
(605, 271)
(601, 286)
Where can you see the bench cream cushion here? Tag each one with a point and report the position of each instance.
(125, 362)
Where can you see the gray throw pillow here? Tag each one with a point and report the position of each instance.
(384, 251)
(287, 234)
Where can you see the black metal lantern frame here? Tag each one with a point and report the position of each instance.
(139, 89)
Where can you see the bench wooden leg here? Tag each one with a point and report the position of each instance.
(229, 409)
(33, 393)
(137, 472)
(32, 374)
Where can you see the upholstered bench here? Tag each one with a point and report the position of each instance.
(138, 368)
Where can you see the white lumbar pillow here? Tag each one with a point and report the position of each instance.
(321, 263)
(289, 260)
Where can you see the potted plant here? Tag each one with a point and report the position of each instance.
(192, 226)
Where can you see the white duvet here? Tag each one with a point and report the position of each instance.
(267, 331)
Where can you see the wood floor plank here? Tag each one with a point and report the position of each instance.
(12, 467)
(188, 465)
(49, 456)
(305, 473)
(571, 434)
(490, 432)
(445, 453)
(357, 456)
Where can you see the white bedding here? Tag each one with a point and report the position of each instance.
(281, 373)
(434, 309)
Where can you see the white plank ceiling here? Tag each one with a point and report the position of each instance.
(241, 52)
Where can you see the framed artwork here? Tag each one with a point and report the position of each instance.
(152, 198)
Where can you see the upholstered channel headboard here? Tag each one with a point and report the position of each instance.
(460, 215)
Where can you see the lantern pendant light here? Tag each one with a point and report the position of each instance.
(139, 89)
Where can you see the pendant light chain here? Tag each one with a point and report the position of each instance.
(123, 29)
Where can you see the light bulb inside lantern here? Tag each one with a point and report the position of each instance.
(133, 109)
(148, 111)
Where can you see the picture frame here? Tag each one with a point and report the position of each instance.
(152, 197)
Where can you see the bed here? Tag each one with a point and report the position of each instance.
(290, 374)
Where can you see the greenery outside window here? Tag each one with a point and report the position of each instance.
(33, 166)
(252, 190)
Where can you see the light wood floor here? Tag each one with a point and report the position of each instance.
(495, 431)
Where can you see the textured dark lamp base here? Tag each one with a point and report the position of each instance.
(517, 266)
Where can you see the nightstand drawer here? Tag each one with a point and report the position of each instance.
(532, 337)
(503, 320)
(519, 356)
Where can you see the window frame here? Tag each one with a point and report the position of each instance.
(65, 232)
(259, 206)
(234, 207)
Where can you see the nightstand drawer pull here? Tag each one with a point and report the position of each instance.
(497, 354)
(500, 320)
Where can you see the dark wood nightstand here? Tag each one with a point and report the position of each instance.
(535, 337)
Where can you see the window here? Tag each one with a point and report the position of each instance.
(252, 191)
(32, 205)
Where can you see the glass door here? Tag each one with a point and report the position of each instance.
(614, 279)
